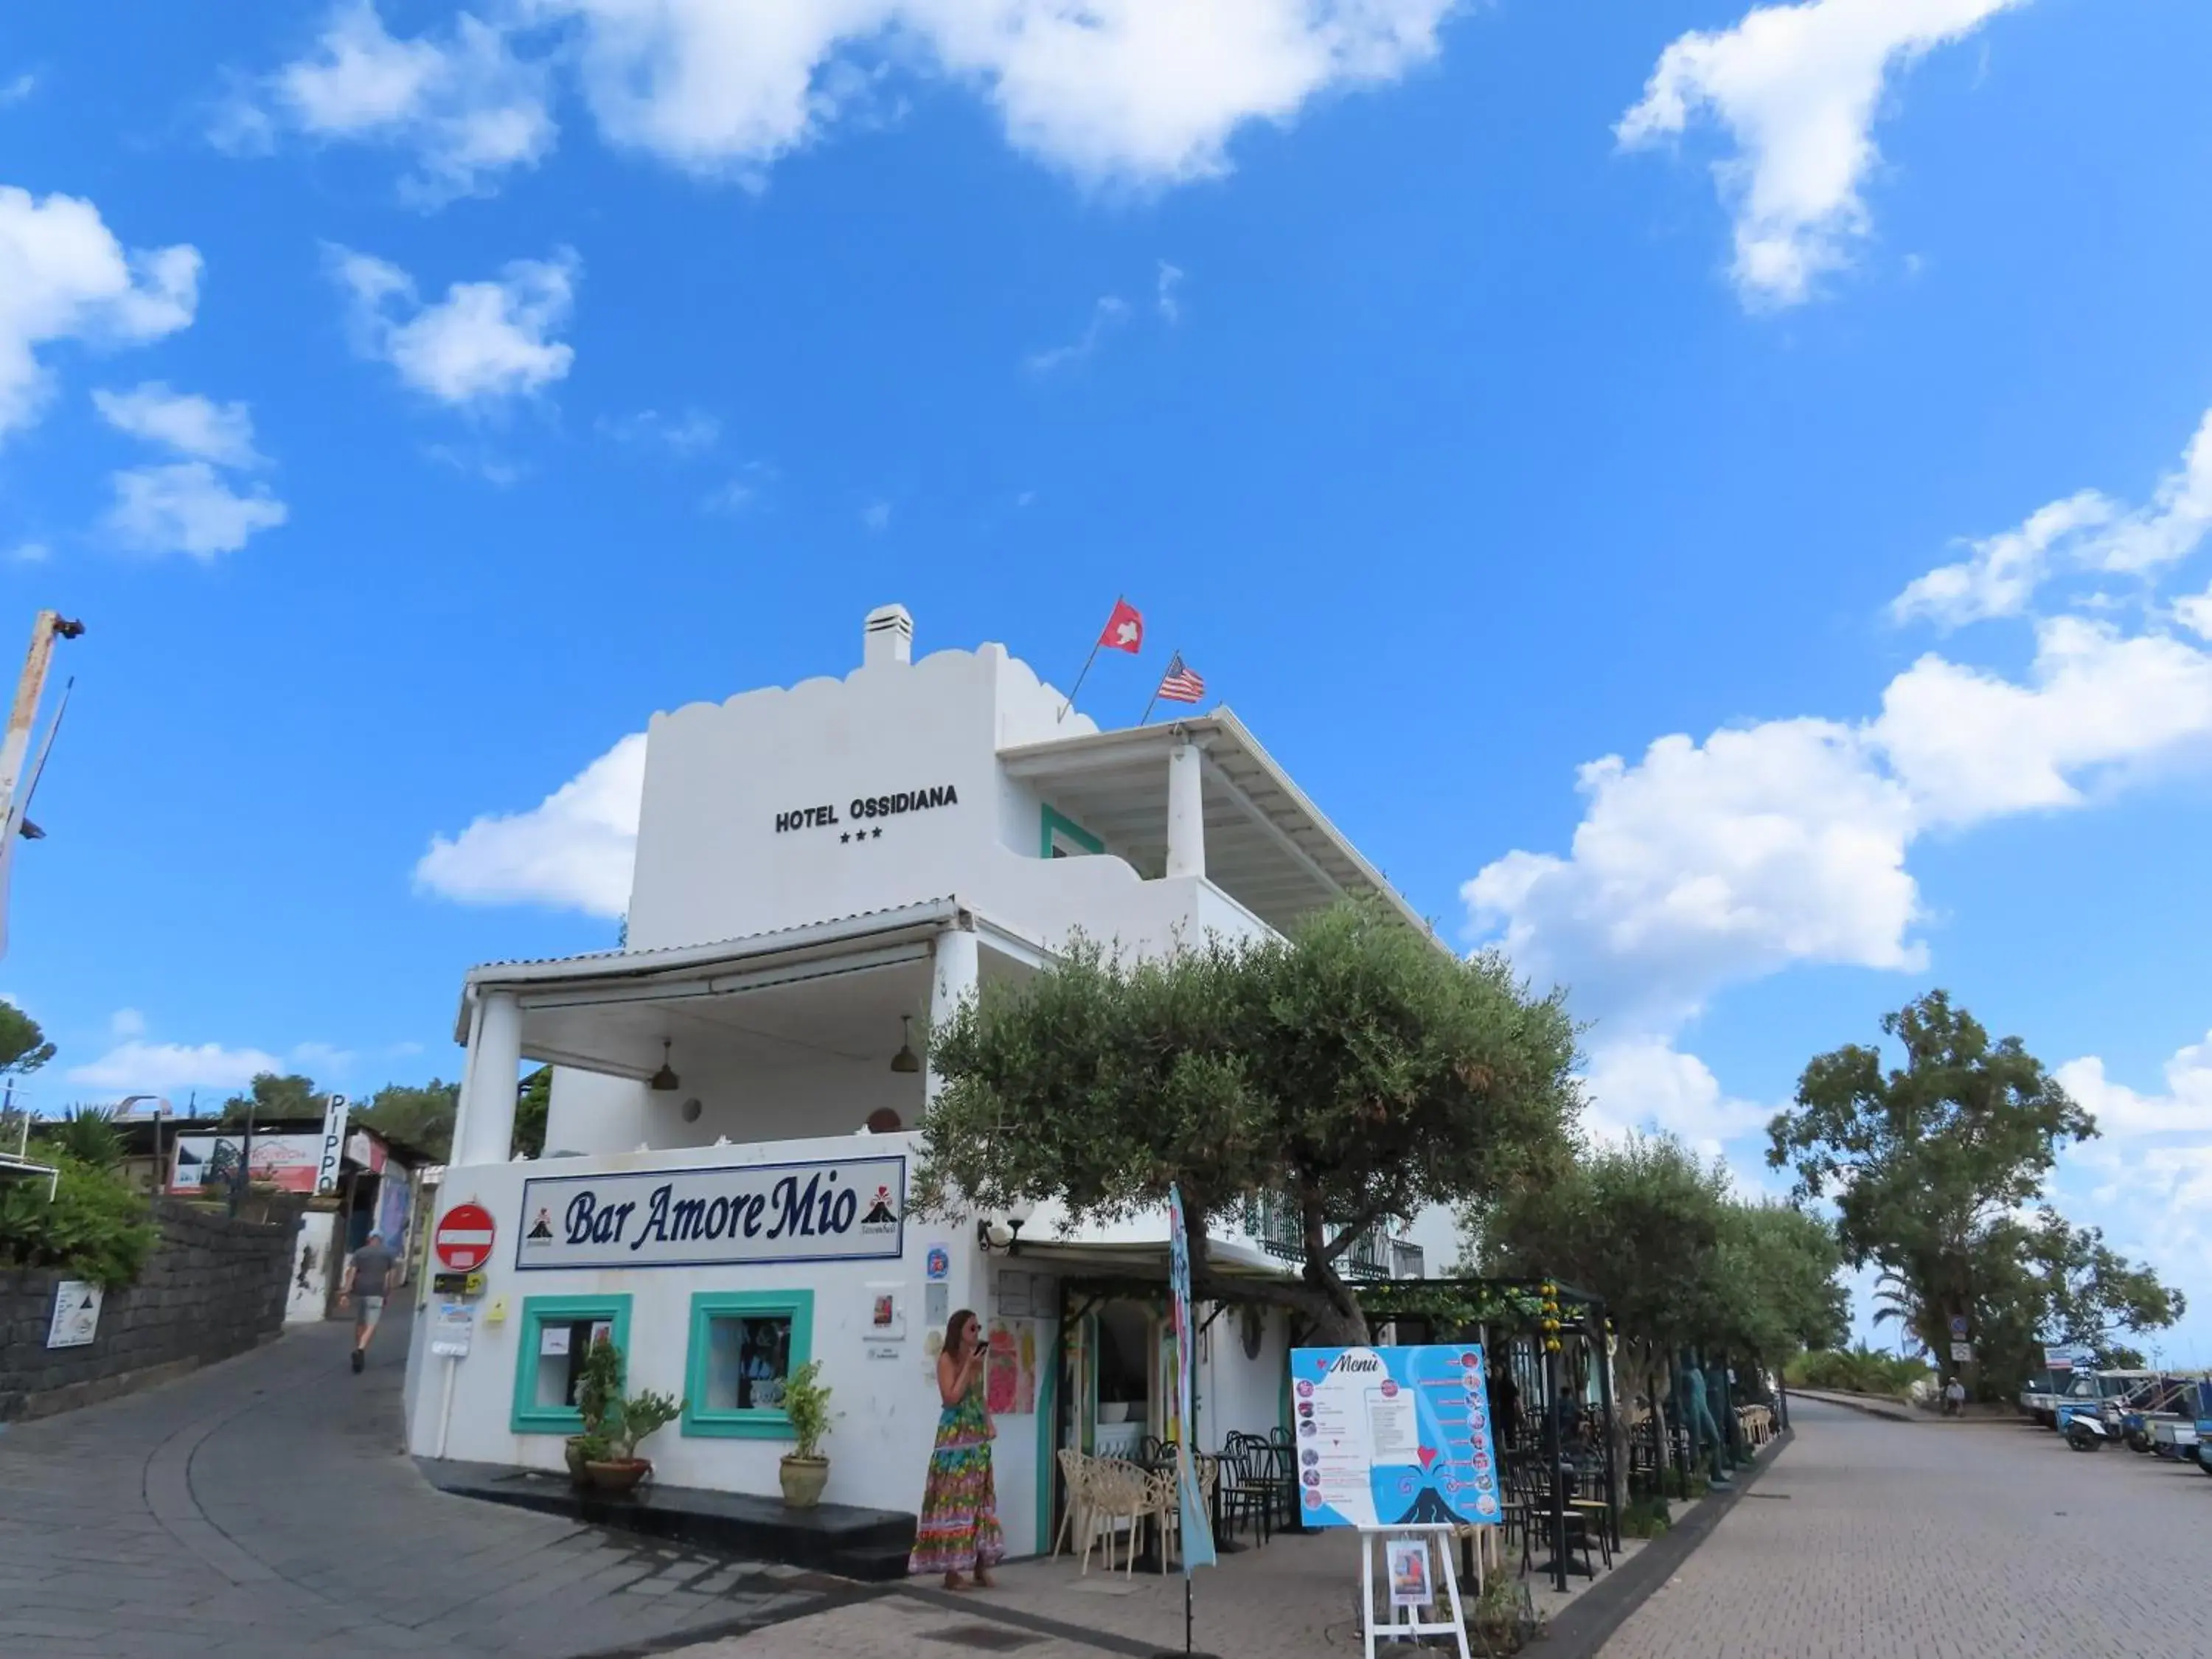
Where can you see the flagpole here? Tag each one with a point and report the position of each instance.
(1172, 656)
(1087, 661)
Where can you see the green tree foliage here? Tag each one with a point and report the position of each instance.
(23, 1046)
(1931, 1166)
(271, 1097)
(531, 1107)
(1353, 1072)
(420, 1115)
(1653, 1230)
(423, 1114)
(93, 1227)
(1923, 1160)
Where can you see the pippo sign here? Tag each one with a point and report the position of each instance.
(463, 1237)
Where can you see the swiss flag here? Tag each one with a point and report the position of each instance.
(1125, 628)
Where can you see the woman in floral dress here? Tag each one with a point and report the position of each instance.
(959, 1531)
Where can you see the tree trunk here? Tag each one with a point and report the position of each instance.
(1330, 1322)
(1340, 1321)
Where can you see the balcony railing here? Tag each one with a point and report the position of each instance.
(1276, 1226)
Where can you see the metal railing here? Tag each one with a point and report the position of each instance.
(1277, 1228)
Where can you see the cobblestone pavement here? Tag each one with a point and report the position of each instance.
(262, 1508)
(1928, 1540)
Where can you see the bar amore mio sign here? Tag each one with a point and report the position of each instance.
(846, 1209)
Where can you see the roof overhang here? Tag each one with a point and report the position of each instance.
(1267, 846)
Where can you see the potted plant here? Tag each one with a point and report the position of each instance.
(804, 1471)
(619, 1469)
(599, 1386)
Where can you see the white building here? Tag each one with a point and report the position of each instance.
(731, 1140)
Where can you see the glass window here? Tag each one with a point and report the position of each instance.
(747, 1358)
(744, 1346)
(556, 1332)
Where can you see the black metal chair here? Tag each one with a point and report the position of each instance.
(1242, 1495)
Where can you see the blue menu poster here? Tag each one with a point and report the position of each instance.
(1393, 1436)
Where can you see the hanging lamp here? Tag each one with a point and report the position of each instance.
(665, 1081)
(906, 1060)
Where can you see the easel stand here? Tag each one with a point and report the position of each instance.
(1413, 1624)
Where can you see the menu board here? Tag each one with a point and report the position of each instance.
(1393, 1436)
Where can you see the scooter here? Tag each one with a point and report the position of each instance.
(2085, 1433)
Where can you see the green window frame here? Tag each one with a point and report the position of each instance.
(1051, 823)
(538, 1312)
(707, 1306)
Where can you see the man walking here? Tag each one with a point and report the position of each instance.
(367, 1275)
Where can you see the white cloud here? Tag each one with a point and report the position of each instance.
(1782, 842)
(876, 516)
(2004, 571)
(126, 1023)
(16, 90)
(1646, 1083)
(187, 507)
(1798, 87)
(2195, 613)
(484, 341)
(466, 107)
(574, 850)
(2098, 705)
(2088, 530)
(64, 276)
(2185, 1107)
(1706, 863)
(140, 1067)
(1108, 312)
(29, 553)
(1163, 294)
(1147, 91)
(183, 422)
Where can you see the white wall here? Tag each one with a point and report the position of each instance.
(1236, 1393)
(711, 864)
(879, 1446)
(310, 1261)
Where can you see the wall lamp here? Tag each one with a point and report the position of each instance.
(1004, 1231)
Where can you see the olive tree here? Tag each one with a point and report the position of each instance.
(1351, 1072)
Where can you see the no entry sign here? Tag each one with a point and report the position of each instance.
(463, 1240)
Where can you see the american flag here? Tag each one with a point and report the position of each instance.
(1181, 684)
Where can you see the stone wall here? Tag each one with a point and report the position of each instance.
(212, 1288)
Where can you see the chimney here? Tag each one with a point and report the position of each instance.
(889, 637)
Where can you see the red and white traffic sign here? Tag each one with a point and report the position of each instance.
(463, 1240)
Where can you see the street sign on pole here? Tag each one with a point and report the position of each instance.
(1962, 1352)
(1957, 1327)
(463, 1237)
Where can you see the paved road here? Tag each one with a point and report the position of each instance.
(1926, 1541)
(262, 1509)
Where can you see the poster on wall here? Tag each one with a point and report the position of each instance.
(75, 1319)
(210, 1163)
(1393, 1436)
(849, 1209)
(1010, 1370)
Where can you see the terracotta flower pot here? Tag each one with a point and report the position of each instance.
(803, 1479)
(618, 1476)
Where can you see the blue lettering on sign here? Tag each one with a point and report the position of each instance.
(791, 1212)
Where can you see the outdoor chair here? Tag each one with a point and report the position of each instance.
(1117, 1491)
(1245, 1496)
(1167, 1500)
(1075, 1518)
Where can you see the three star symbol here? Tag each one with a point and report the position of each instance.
(862, 834)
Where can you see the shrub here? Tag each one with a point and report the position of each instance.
(806, 1403)
(1856, 1370)
(1644, 1517)
(94, 1227)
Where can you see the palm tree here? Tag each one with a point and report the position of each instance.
(1895, 1299)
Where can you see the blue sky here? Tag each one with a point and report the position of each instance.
(1799, 406)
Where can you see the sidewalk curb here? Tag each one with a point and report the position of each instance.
(1588, 1622)
(1887, 1410)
